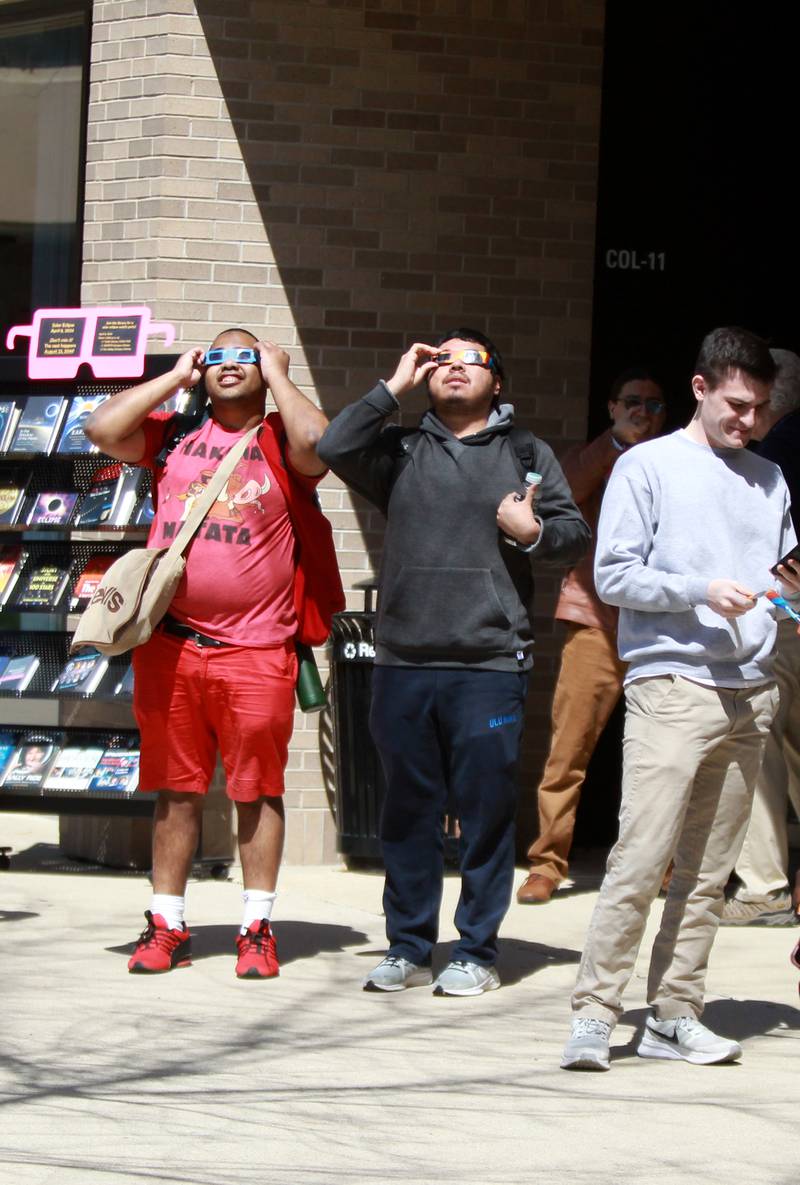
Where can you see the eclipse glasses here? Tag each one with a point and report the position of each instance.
(241, 354)
(654, 406)
(470, 357)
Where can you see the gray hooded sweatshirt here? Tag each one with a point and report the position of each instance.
(452, 592)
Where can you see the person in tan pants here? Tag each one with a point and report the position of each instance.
(590, 677)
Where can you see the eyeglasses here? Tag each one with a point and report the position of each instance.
(470, 357)
(241, 354)
(654, 406)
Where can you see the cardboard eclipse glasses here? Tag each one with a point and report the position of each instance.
(470, 357)
(240, 354)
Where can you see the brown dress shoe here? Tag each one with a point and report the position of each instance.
(535, 889)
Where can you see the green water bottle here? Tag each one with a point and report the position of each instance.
(310, 693)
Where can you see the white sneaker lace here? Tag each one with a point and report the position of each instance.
(584, 1026)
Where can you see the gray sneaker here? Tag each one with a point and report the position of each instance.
(775, 910)
(587, 1048)
(466, 979)
(393, 974)
(685, 1039)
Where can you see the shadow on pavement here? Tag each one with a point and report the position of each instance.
(295, 940)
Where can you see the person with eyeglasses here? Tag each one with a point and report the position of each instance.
(219, 673)
(691, 526)
(473, 507)
(590, 676)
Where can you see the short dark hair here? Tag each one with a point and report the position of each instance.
(633, 374)
(725, 350)
(234, 329)
(475, 335)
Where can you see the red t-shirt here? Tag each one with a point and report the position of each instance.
(239, 579)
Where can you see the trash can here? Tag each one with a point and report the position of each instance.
(360, 785)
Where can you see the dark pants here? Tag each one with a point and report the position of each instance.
(437, 731)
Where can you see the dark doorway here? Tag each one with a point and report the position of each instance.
(697, 217)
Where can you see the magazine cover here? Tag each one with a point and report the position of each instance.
(43, 587)
(39, 423)
(124, 688)
(128, 492)
(146, 512)
(53, 509)
(12, 495)
(81, 675)
(12, 561)
(90, 577)
(18, 673)
(96, 504)
(117, 771)
(73, 768)
(8, 422)
(72, 439)
(7, 746)
(29, 765)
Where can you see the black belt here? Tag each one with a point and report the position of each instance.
(171, 626)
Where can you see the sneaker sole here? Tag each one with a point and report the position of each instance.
(138, 969)
(585, 1062)
(256, 975)
(785, 918)
(653, 1048)
(473, 991)
(369, 985)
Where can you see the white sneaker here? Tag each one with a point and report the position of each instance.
(775, 910)
(394, 974)
(466, 979)
(685, 1039)
(587, 1048)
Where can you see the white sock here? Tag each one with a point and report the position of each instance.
(170, 908)
(257, 905)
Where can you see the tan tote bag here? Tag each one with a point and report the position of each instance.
(136, 591)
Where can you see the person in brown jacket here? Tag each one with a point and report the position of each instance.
(590, 677)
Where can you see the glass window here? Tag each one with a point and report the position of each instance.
(43, 65)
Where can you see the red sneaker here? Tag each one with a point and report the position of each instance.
(159, 948)
(258, 955)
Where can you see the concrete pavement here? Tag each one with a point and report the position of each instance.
(195, 1077)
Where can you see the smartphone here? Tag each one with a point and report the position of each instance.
(794, 554)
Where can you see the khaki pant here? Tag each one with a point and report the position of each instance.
(691, 758)
(588, 688)
(763, 863)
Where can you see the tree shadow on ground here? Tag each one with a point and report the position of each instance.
(295, 940)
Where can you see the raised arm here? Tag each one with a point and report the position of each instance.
(357, 446)
(302, 419)
(116, 425)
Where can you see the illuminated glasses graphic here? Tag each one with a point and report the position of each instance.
(654, 406)
(241, 354)
(470, 357)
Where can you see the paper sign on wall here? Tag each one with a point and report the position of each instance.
(110, 340)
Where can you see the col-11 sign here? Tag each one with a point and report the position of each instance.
(111, 340)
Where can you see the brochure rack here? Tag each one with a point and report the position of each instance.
(67, 718)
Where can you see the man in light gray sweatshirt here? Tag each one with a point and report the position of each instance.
(691, 525)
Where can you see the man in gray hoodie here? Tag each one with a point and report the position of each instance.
(453, 638)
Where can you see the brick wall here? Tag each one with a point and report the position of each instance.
(345, 176)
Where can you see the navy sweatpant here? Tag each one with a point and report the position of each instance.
(437, 730)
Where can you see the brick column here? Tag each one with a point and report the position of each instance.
(345, 176)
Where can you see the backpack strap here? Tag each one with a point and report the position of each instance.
(523, 442)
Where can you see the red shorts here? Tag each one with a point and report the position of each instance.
(190, 702)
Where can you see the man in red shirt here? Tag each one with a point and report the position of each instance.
(219, 672)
